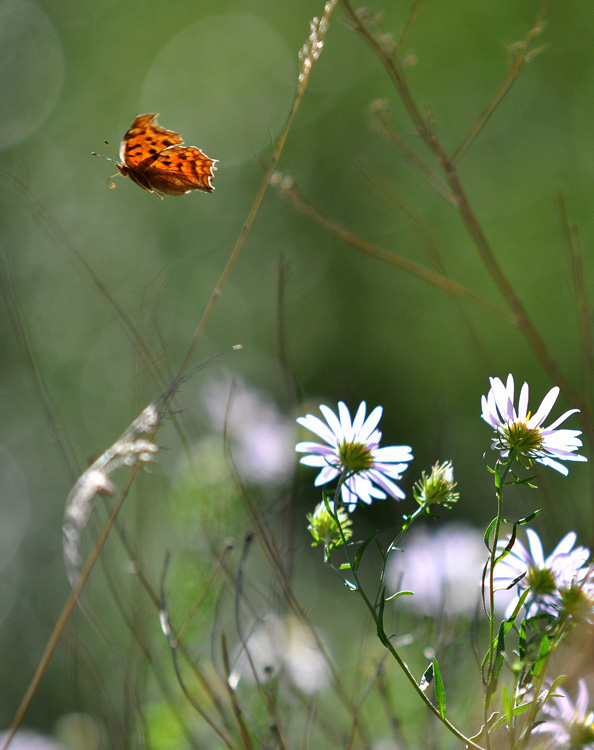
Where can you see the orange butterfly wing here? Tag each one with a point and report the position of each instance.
(153, 159)
(179, 169)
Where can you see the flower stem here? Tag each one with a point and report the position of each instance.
(376, 612)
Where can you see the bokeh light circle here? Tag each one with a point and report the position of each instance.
(31, 69)
(233, 116)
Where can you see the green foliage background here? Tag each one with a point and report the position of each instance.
(224, 75)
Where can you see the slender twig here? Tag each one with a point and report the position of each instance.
(368, 248)
(67, 611)
(584, 307)
(415, 9)
(520, 54)
(276, 154)
(386, 129)
(425, 131)
(19, 324)
(52, 225)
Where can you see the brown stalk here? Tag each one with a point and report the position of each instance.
(483, 247)
(67, 611)
(415, 269)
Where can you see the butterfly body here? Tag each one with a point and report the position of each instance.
(154, 159)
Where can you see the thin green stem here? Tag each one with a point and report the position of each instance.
(384, 639)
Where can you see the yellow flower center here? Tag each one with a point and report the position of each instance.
(525, 440)
(581, 733)
(355, 457)
(541, 581)
(576, 602)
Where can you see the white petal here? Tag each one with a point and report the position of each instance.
(359, 421)
(523, 403)
(544, 409)
(503, 400)
(581, 704)
(319, 461)
(348, 498)
(316, 425)
(371, 423)
(395, 471)
(345, 420)
(564, 546)
(562, 419)
(360, 487)
(333, 422)
(489, 409)
(386, 484)
(326, 475)
(308, 447)
(536, 549)
(554, 465)
(392, 453)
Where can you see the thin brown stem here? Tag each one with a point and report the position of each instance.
(425, 131)
(415, 269)
(584, 307)
(520, 54)
(276, 154)
(67, 611)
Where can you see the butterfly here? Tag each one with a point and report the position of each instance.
(153, 158)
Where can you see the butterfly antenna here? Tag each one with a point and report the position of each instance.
(111, 148)
(107, 158)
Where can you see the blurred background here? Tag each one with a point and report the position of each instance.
(318, 321)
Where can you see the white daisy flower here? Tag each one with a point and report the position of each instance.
(353, 447)
(524, 433)
(561, 579)
(571, 725)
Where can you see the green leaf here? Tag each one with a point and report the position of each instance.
(439, 690)
(519, 605)
(400, 593)
(524, 521)
(522, 640)
(507, 704)
(508, 547)
(383, 554)
(362, 549)
(541, 659)
(515, 712)
(497, 662)
(487, 534)
(379, 623)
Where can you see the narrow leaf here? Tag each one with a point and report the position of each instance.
(541, 659)
(400, 593)
(439, 690)
(525, 520)
(487, 534)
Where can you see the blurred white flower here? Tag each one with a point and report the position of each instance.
(571, 724)
(354, 447)
(443, 568)
(26, 739)
(524, 434)
(262, 437)
(281, 647)
(551, 580)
